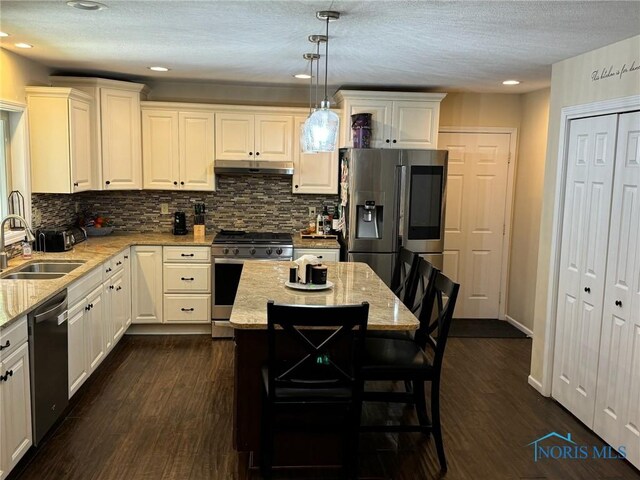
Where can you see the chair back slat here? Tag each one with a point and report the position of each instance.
(315, 347)
(402, 280)
(423, 284)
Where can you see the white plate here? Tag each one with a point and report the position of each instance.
(309, 286)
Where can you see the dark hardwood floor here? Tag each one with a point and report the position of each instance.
(161, 408)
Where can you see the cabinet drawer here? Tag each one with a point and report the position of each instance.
(85, 284)
(187, 254)
(323, 254)
(179, 278)
(187, 308)
(12, 337)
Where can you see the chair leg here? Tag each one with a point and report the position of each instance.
(421, 407)
(266, 442)
(437, 428)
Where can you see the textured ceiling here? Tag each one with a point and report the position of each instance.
(453, 45)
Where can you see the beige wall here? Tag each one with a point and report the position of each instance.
(17, 72)
(571, 84)
(480, 110)
(526, 206)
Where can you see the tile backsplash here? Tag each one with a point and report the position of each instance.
(243, 202)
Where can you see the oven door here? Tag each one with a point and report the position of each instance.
(226, 277)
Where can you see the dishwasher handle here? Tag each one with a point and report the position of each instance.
(54, 311)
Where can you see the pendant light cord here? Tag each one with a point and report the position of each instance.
(317, 70)
(326, 62)
(311, 87)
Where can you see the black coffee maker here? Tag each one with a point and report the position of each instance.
(179, 223)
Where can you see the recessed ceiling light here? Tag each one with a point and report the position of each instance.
(159, 69)
(87, 5)
(302, 75)
(2, 34)
(23, 45)
(511, 82)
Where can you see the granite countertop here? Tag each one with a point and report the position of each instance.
(19, 297)
(353, 283)
(299, 242)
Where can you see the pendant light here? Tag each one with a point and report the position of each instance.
(321, 128)
(312, 57)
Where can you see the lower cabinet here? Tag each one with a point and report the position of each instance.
(15, 398)
(146, 279)
(323, 254)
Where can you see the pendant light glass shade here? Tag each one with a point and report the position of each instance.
(320, 130)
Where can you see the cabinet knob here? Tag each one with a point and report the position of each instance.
(111, 287)
(118, 263)
(181, 183)
(108, 270)
(296, 186)
(118, 289)
(6, 345)
(91, 305)
(175, 183)
(126, 256)
(387, 140)
(587, 289)
(187, 309)
(250, 153)
(618, 303)
(75, 184)
(108, 182)
(395, 141)
(257, 154)
(5, 377)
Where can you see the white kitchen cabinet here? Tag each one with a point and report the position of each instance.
(187, 284)
(596, 371)
(313, 172)
(79, 368)
(15, 407)
(96, 331)
(116, 130)
(146, 279)
(177, 148)
(323, 254)
(126, 287)
(60, 140)
(399, 119)
(246, 136)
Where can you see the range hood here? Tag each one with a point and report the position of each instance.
(248, 167)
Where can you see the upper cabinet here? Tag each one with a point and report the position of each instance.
(177, 147)
(399, 119)
(313, 172)
(245, 136)
(60, 140)
(117, 149)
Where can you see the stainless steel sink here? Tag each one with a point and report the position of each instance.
(44, 270)
(32, 276)
(51, 267)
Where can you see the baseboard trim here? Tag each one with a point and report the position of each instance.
(537, 385)
(169, 329)
(519, 326)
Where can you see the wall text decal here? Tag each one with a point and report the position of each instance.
(618, 72)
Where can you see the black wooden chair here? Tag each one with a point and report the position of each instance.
(313, 371)
(402, 279)
(418, 361)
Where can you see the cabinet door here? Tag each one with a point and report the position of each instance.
(77, 336)
(121, 143)
(234, 136)
(313, 172)
(117, 299)
(415, 124)
(80, 145)
(126, 287)
(160, 149)
(15, 402)
(196, 151)
(146, 269)
(95, 328)
(380, 121)
(617, 414)
(273, 137)
(590, 161)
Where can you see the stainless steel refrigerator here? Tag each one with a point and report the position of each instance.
(393, 198)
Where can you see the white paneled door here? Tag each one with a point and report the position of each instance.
(475, 219)
(585, 230)
(617, 413)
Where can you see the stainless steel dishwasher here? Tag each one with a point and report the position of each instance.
(49, 363)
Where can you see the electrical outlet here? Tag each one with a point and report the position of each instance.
(164, 208)
(312, 211)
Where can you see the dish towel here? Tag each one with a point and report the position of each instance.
(302, 263)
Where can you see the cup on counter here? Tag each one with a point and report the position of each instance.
(293, 274)
(319, 274)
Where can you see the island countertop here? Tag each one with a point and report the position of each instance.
(354, 283)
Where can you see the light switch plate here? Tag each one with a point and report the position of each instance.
(164, 208)
(312, 211)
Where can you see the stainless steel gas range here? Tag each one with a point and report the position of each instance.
(229, 251)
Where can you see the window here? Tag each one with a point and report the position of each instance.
(14, 163)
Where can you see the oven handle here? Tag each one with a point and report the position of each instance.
(240, 261)
(228, 261)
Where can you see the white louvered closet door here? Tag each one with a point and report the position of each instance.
(590, 164)
(617, 415)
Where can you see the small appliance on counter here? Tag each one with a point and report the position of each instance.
(59, 239)
(179, 223)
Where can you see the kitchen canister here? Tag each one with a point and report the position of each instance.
(319, 275)
(361, 130)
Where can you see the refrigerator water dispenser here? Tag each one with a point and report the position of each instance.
(370, 220)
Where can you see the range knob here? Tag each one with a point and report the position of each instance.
(252, 251)
(269, 251)
(279, 251)
(236, 251)
(225, 250)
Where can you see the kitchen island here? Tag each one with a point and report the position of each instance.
(263, 281)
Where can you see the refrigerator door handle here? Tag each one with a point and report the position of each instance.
(401, 207)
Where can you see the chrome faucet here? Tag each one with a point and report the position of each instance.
(27, 230)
